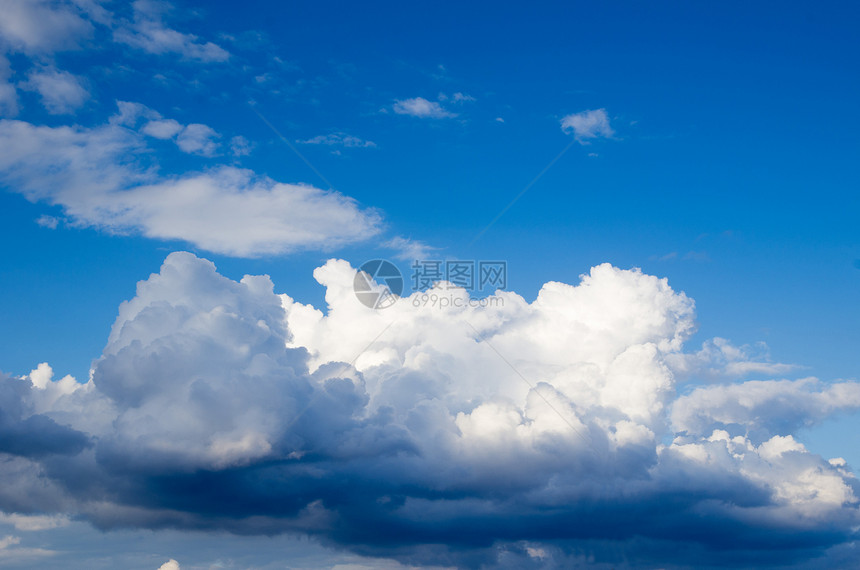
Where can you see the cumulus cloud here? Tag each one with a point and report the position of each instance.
(170, 565)
(422, 108)
(162, 128)
(587, 125)
(526, 434)
(198, 139)
(61, 92)
(101, 178)
(148, 32)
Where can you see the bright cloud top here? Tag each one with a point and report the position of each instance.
(100, 178)
(587, 125)
(492, 430)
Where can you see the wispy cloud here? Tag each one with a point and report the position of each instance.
(61, 92)
(422, 108)
(408, 249)
(339, 139)
(148, 32)
(40, 26)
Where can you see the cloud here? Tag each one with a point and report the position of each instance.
(422, 108)
(8, 94)
(763, 408)
(33, 522)
(41, 26)
(194, 138)
(587, 125)
(148, 33)
(462, 97)
(240, 146)
(102, 178)
(50, 222)
(198, 139)
(409, 249)
(339, 139)
(62, 93)
(719, 359)
(162, 128)
(169, 565)
(219, 404)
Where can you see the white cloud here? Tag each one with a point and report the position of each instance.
(170, 565)
(198, 139)
(409, 249)
(42, 26)
(211, 384)
(194, 138)
(719, 358)
(462, 98)
(148, 32)
(62, 93)
(763, 407)
(162, 128)
(586, 125)
(33, 522)
(420, 107)
(100, 178)
(339, 139)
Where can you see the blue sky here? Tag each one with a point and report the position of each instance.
(713, 146)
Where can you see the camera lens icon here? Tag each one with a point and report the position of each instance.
(378, 284)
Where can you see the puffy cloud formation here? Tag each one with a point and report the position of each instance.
(541, 434)
(100, 177)
(586, 125)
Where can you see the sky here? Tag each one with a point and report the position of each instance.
(667, 372)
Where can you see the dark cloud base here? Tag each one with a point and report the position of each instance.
(202, 418)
